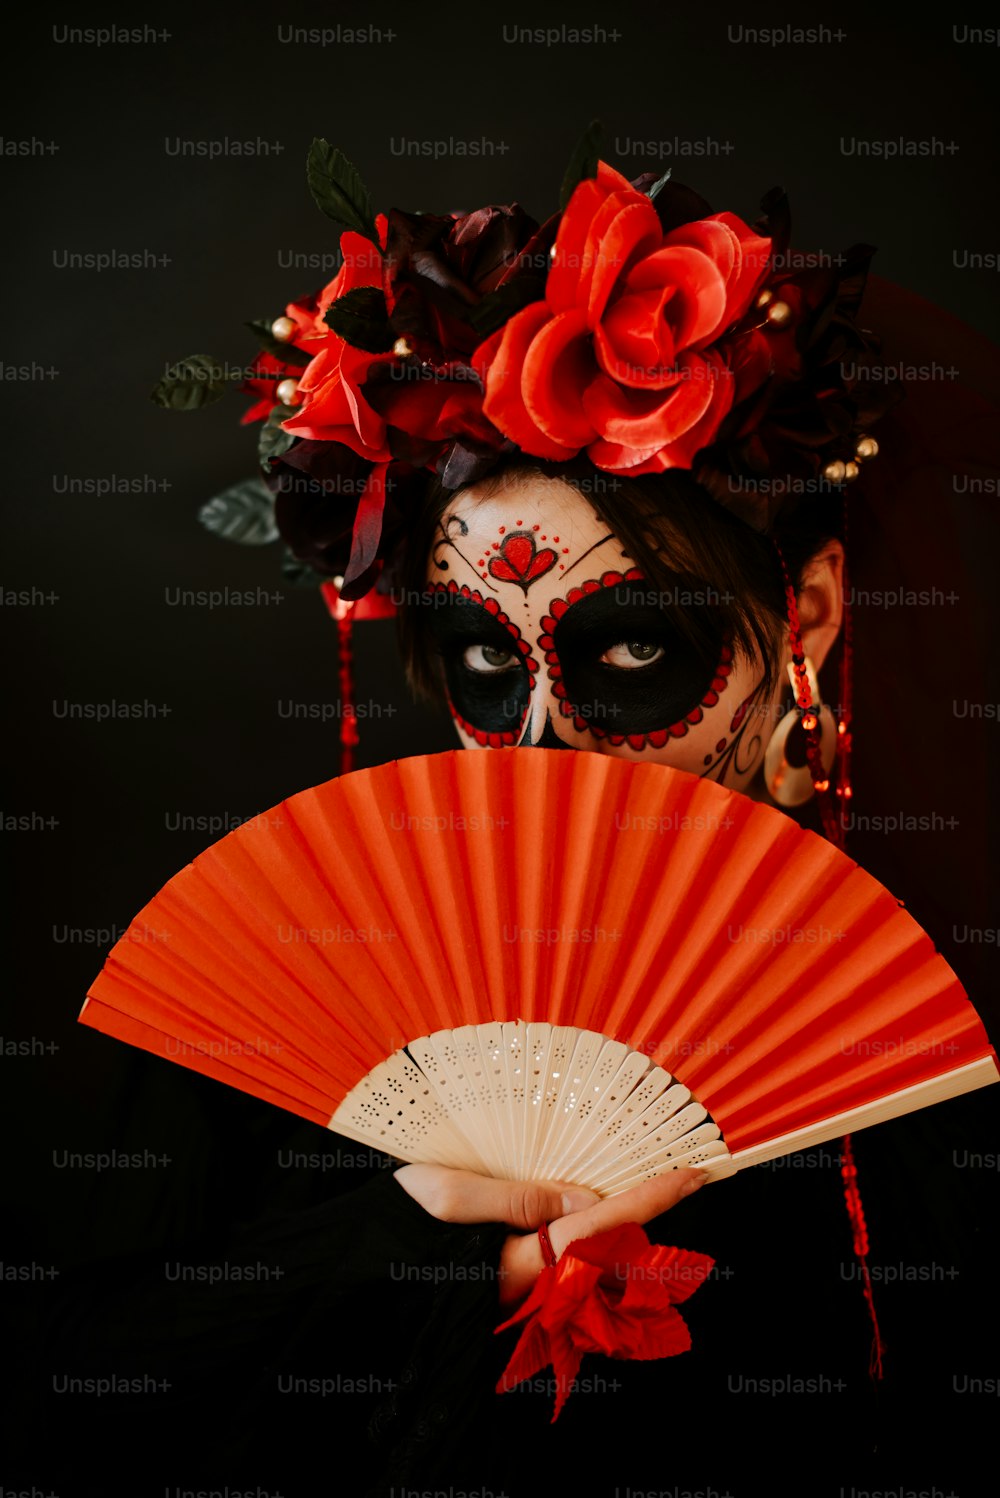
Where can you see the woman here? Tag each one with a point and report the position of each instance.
(642, 469)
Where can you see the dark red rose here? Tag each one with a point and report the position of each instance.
(437, 269)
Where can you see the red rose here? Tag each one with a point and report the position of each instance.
(332, 407)
(619, 358)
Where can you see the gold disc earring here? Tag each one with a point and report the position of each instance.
(786, 768)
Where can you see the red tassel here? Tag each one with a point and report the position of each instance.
(833, 811)
(348, 721)
(343, 613)
(845, 790)
(856, 1212)
(852, 1191)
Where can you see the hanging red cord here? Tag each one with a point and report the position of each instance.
(343, 614)
(833, 811)
(856, 1212)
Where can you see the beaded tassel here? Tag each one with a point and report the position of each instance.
(343, 614)
(844, 787)
(348, 721)
(833, 810)
(856, 1212)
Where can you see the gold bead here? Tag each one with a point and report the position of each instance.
(867, 447)
(779, 314)
(835, 472)
(851, 471)
(287, 392)
(765, 297)
(401, 349)
(282, 328)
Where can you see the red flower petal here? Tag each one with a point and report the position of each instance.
(501, 361)
(558, 367)
(624, 228)
(643, 418)
(740, 254)
(634, 343)
(367, 525)
(698, 308)
(588, 197)
(564, 272)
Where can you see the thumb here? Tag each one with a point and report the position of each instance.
(527, 1204)
(639, 1204)
(465, 1196)
(521, 1204)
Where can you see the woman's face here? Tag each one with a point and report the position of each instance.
(550, 636)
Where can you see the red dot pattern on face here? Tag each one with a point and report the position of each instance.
(658, 738)
(472, 595)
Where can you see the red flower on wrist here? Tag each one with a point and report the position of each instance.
(615, 1293)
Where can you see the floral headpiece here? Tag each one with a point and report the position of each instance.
(634, 326)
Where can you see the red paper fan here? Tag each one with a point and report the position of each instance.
(598, 970)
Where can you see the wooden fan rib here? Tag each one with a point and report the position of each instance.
(981, 1072)
(916, 998)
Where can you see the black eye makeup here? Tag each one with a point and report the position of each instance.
(488, 668)
(621, 664)
(623, 667)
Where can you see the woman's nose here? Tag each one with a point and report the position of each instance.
(538, 732)
(546, 740)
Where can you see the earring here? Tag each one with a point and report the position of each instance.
(787, 772)
(807, 715)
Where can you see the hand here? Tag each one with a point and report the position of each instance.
(571, 1211)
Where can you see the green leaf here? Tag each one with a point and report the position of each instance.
(195, 381)
(660, 182)
(274, 440)
(338, 190)
(300, 574)
(285, 351)
(496, 307)
(583, 162)
(361, 319)
(244, 513)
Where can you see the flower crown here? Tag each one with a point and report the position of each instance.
(634, 327)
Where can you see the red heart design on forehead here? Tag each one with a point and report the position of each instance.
(519, 561)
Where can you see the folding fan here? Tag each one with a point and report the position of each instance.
(541, 965)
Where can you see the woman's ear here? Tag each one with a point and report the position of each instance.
(821, 601)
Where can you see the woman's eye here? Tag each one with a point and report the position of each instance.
(488, 658)
(632, 653)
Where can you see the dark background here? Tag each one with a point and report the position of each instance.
(109, 635)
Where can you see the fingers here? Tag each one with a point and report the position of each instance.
(464, 1196)
(521, 1260)
(640, 1204)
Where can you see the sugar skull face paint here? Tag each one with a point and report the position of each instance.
(549, 635)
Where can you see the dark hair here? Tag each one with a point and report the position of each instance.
(673, 530)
